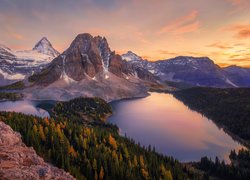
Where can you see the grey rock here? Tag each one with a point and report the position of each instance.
(17, 161)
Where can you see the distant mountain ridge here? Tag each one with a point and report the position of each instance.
(198, 71)
(17, 65)
(90, 59)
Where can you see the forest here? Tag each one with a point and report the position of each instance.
(15, 86)
(88, 110)
(238, 169)
(229, 109)
(12, 96)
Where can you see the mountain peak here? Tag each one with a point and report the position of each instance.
(81, 42)
(131, 56)
(83, 36)
(45, 47)
(43, 41)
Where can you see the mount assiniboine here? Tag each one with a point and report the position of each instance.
(17, 65)
(89, 68)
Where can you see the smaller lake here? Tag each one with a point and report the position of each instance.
(27, 107)
(166, 123)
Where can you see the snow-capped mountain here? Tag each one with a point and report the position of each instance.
(130, 56)
(16, 65)
(89, 68)
(45, 47)
(198, 71)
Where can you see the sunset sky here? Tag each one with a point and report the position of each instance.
(154, 29)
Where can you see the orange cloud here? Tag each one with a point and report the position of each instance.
(149, 58)
(16, 36)
(220, 45)
(198, 54)
(188, 28)
(247, 59)
(235, 2)
(221, 64)
(241, 30)
(165, 52)
(182, 25)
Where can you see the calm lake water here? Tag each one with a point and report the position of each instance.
(159, 120)
(166, 123)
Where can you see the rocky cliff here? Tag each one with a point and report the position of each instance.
(18, 161)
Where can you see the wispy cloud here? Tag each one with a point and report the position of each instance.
(238, 5)
(235, 2)
(185, 24)
(240, 30)
(165, 52)
(220, 45)
(17, 36)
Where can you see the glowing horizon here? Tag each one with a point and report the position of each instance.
(153, 29)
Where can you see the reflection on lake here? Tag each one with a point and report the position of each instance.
(26, 107)
(166, 123)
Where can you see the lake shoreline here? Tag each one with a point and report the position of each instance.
(144, 121)
(138, 119)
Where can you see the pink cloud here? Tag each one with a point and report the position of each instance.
(239, 5)
(235, 2)
(241, 31)
(193, 27)
(185, 24)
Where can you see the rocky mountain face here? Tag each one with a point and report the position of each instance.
(89, 68)
(198, 71)
(238, 75)
(17, 65)
(18, 161)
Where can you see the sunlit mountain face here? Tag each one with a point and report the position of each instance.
(162, 30)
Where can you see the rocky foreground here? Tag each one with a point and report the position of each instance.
(17, 161)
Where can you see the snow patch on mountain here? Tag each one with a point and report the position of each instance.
(230, 82)
(34, 56)
(130, 56)
(4, 49)
(8, 76)
(64, 76)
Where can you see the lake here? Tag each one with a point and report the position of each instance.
(166, 123)
(159, 120)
